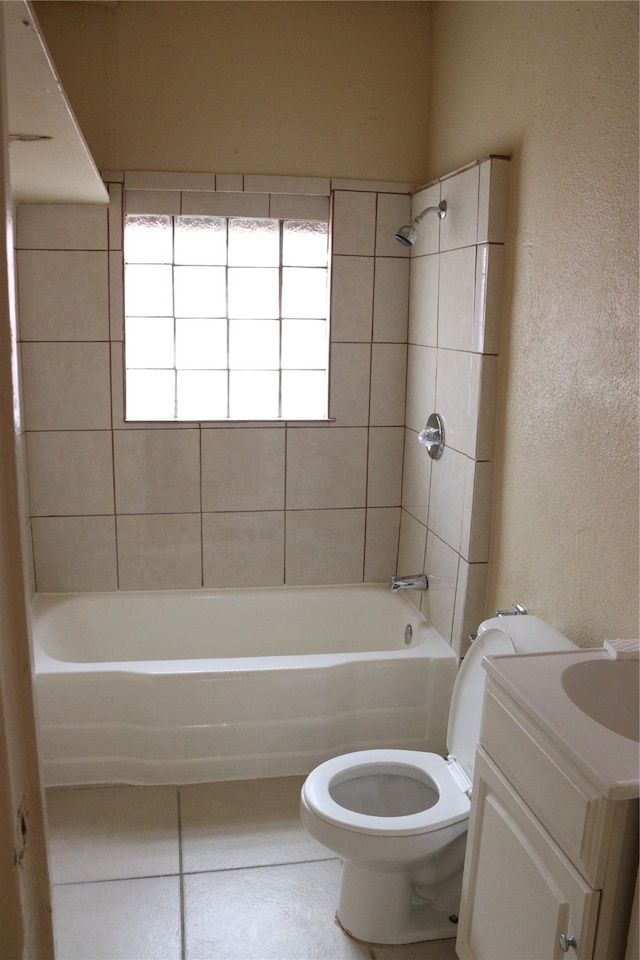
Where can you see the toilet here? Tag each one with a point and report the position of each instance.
(398, 818)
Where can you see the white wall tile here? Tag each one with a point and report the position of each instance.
(354, 218)
(381, 545)
(351, 298)
(116, 196)
(159, 552)
(449, 479)
(457, 398)
(298, 207)
(229, 182)
(378, 186)
(63, 295)
(489, 298)
(391, 300)
(411, 551)
(493, 200)
(421, 386)
(161, 180)
(243, 549)
(349, 384)
(470, 604)
(416, 478)
(487, 408)
(70, 473)
(476, 518)
(473, 328)
(423, 300)
(156, 202)
(157, 471)
(393, 211)
(243, 469)
(460, 226)
(384, 475)
(326, 468)
(315, 186)
(439, 600)
(226, 204)
(456, 299)
(74, 554)
(388, 377)
(324, 546)
(68, 226)
(116, 296)
(66, 386)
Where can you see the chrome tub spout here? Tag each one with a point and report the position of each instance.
(415, 581)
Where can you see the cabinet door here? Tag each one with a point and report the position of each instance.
(520, 893)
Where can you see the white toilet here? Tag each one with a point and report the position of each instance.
(398, 818)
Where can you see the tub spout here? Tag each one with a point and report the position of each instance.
(415, 581)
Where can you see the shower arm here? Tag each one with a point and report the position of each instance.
(441, 210)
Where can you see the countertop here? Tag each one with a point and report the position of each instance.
(611, 761)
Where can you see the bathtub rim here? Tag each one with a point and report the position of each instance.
(429, 644)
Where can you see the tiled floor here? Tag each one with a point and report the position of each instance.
(220, 871)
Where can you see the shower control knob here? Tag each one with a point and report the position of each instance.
(432, 437)
(566, 942)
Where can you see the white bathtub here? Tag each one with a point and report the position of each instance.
(184, 687)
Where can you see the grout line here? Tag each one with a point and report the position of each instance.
(146, 876)
(260, 866)
(183, 928)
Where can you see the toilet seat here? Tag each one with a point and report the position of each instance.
(451, 806)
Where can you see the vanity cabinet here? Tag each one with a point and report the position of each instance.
(551, 858)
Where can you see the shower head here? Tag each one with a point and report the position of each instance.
(408, 234)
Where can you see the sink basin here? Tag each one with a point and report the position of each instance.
(608, 691)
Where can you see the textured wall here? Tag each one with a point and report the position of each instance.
(556, 84)
(284, 88)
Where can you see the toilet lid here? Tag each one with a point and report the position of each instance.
(449, 802)
(465, 712)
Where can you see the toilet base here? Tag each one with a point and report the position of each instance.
(381, 907)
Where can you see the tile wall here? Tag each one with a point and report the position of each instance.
(134, 506)
(455, 321)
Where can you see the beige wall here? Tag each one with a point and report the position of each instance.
(296, 88)
(556, 84)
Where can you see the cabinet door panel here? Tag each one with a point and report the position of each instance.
(525, 892)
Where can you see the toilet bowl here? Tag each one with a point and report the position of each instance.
(398, 818)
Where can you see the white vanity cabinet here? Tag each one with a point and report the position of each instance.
(552, 851)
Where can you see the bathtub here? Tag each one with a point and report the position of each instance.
(187, 687)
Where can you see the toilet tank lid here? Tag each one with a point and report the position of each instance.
(529, 634)
(496, 637)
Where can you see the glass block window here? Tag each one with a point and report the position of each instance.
(225, 318)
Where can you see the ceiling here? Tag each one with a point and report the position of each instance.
(55, 170)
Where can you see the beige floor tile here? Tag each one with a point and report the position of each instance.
(118, 920)
(112, 833)
(267, 913)
(244, 823)
(426, 950)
